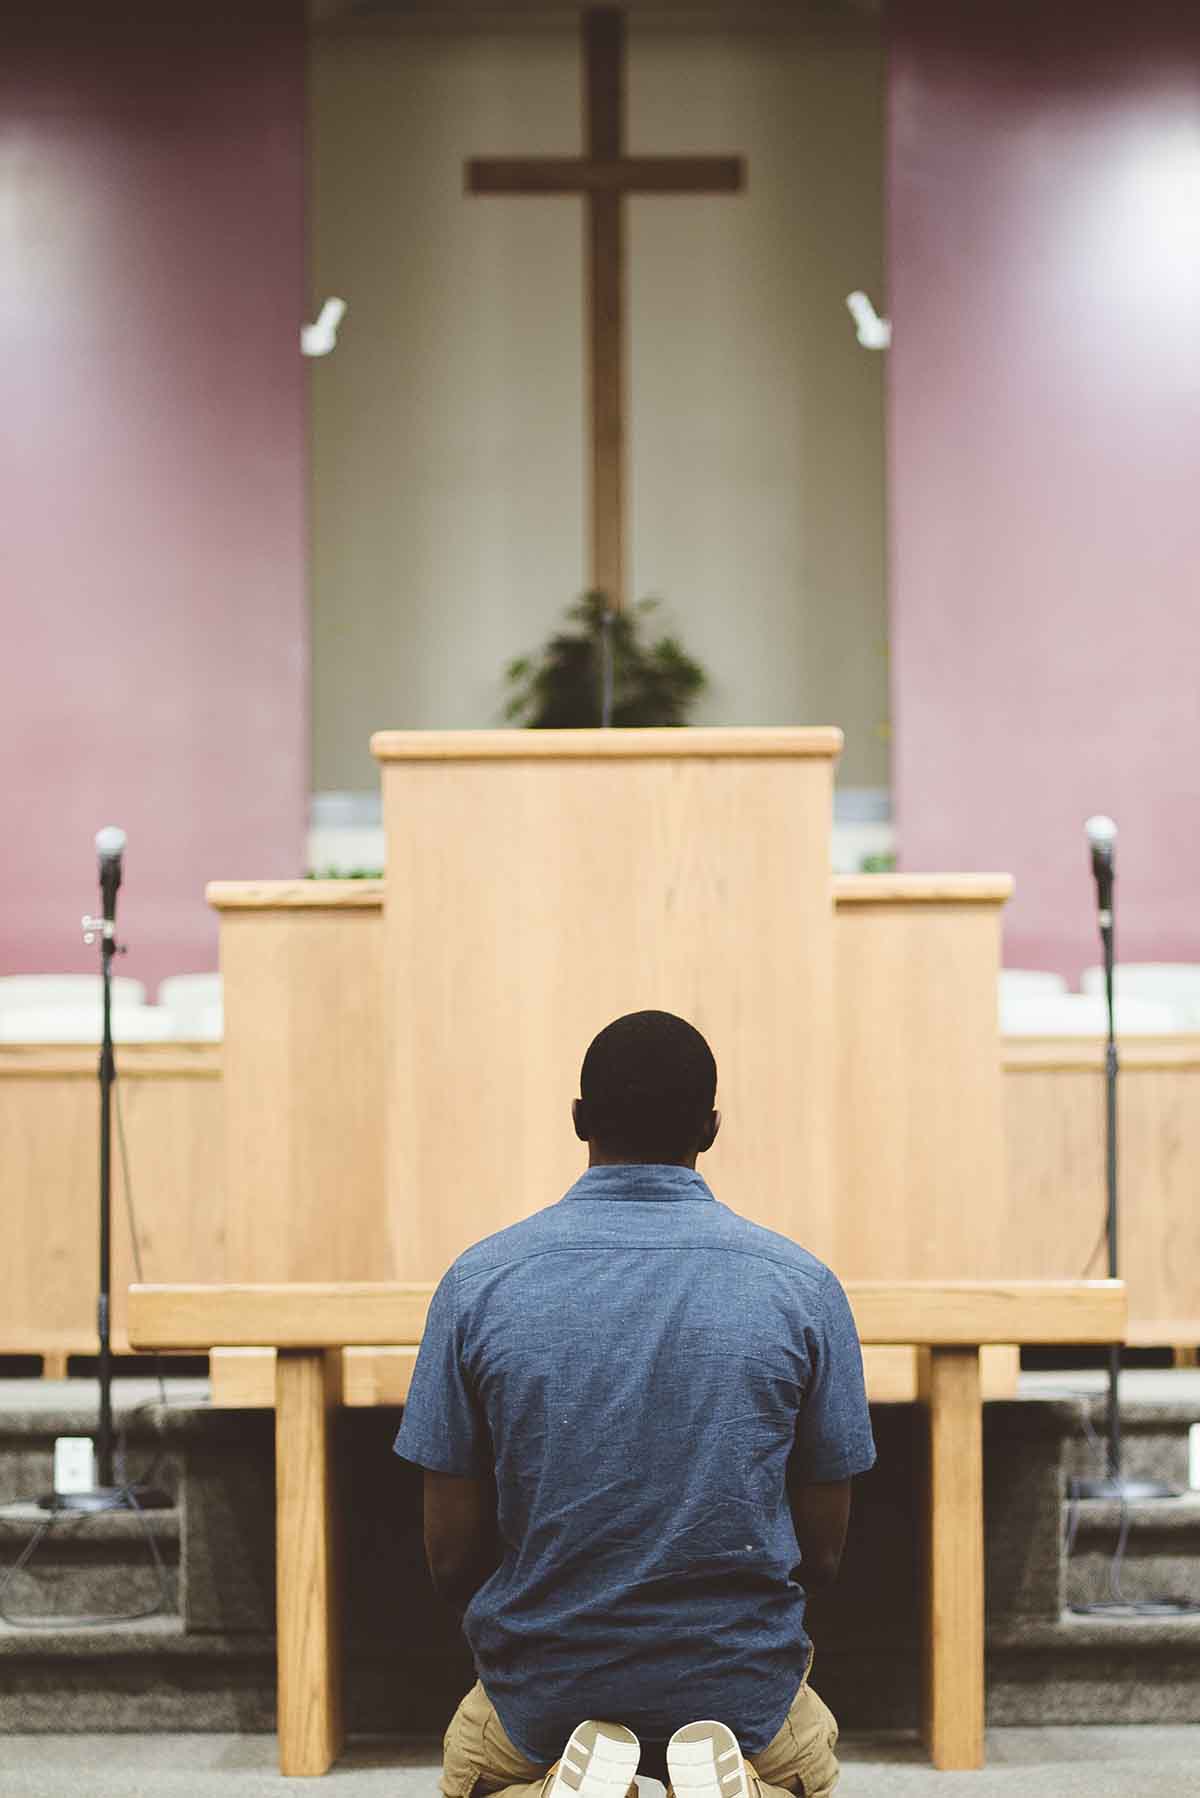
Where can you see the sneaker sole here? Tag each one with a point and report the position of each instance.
(705, 1761)
(599, 1761)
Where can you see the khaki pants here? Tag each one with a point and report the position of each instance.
(479, 1758)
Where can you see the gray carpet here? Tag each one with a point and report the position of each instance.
(1135, 1762)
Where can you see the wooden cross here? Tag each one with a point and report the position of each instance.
(604, 175)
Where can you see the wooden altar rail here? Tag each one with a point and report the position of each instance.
(307, 1325)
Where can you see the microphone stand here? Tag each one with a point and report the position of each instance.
(607, 669)
(1114, 1484)
(106, 1496)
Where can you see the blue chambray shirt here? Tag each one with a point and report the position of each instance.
(638, 1363)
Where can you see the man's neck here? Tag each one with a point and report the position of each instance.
(598, 1157)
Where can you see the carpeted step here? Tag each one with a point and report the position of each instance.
(1157, 1411)
(1142, 1551)
(1090, 1670)
(90, 1564)
(149, 1675)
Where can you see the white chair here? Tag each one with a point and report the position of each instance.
(38, 990)
(1174, 983)
(1015, 982)
(1082, 1014)
(193, 1003)
(82, 1024)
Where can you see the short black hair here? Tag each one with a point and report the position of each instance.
(648, 1083)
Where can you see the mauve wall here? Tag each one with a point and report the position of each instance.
(1044, 457)
(154, 670)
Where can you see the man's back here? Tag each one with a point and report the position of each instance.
(639, 1364)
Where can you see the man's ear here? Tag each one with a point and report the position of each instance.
(709, 1135)
(579, 1118)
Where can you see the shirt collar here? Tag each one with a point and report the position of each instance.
(641, 1180)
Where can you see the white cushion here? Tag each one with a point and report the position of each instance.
(1174, 983)
(1083, 1014)
(193, 1003)
(65, 989)
(1015, 981)
(82, 1024)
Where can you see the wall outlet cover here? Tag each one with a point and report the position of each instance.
(74, 1464)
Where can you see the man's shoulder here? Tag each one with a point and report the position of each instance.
(784, 1253)
(516, 1242)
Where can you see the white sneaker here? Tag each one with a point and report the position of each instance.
(599, 1761)
(705, 1761)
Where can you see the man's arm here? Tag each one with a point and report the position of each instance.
(462, 1545)
(821, 1515)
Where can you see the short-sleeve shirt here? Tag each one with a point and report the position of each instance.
(638, 1364)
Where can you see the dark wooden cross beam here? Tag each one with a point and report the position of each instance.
(604, 175)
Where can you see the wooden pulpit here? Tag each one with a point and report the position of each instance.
(542, 883)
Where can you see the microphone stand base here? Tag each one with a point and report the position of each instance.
(108, 1498)
(1122, 1489)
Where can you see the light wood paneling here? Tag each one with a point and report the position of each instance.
(304, 1080)
(170, 1099)
(1055, 1109)
(920, 1135)
(535, 895)
(376, 1376)
(245, 1377)
(892, 1373)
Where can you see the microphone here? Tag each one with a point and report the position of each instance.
(1102, 835)
(110, 847)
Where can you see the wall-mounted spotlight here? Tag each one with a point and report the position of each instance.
(319, 339)
(873, 332)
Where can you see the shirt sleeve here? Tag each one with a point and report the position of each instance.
(833, 1432)
(443, 1427)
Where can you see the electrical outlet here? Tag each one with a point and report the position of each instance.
(74, 1464)
(1194, 1457)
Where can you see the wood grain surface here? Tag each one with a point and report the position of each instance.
(953, 1588)
(307, 1560)
(920, 1160)
(771, 741)
(169, 1099)
(304, 1091)
(531, 902)
(331, 1315)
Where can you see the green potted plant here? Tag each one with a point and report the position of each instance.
(599, 669)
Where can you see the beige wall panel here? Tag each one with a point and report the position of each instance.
(920, 1174)
(304, 1081)
(448, 441)
(1055, 1110)
(532, 901)
(170, 1095)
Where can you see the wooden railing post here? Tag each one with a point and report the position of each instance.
(307, 1556)
(952, 1517)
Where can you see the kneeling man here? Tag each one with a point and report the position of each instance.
(638, 1416)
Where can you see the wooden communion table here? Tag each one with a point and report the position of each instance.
(307, 1326)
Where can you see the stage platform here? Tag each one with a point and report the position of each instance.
(202, 1659)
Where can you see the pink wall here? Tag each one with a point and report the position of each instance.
(1044, 457)
(154, 661)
